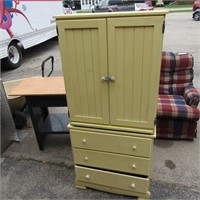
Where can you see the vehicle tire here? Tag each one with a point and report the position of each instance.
(197, 16)
(19, 119)
(14, 58)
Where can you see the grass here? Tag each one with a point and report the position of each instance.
(83, 11)
(180, 5)
(173, 11)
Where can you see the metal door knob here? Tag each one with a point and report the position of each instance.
(107, 79)
(103, 78)
(112, 78)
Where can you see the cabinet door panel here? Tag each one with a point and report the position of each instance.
(134, 47)
(84, 57)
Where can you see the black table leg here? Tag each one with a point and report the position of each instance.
(41, 119)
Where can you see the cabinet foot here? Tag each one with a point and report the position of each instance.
(148, 195)
(79, 184)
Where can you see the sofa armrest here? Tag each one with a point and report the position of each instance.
(191, 96)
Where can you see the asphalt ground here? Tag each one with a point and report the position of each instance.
(27, 173)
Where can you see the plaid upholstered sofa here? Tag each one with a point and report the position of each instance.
(177, 112)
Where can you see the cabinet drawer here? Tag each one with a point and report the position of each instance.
(137, 146)
(110, 161)
(110, 179)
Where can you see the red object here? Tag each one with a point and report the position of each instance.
(177, 108)
(196, 5)
(144, 9)
(10, 33)
(149, 3)
(116, 8)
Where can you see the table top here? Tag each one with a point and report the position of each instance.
(40, 86)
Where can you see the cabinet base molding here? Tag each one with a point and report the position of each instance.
(150, 133)
(84, 185)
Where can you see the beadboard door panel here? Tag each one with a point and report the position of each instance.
(84, 60)
(134, 48)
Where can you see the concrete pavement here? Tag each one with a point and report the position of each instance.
(27, 173)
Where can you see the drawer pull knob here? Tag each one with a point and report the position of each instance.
(133, 166)
(86, 158)
(84, 141)
(87, 176)
(133, 186)
(134, 147)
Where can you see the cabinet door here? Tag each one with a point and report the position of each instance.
(134, 49)
(83, 45)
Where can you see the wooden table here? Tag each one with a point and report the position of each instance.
(41, 93)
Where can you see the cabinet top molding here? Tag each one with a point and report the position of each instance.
(112, 14)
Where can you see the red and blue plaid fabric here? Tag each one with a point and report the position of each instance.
(174, 106)
(184, 76)
(176, 61)
(177, 112)
(191, 96)
(176, 73)
(176, 129)
(173, 89)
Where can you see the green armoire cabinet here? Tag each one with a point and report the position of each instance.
(111, 66)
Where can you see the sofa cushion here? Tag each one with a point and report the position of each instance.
(184, 76)
(174, 107)
(176, 73)
(173, 89)
(176, 61)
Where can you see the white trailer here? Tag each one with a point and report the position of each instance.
(24, 24)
